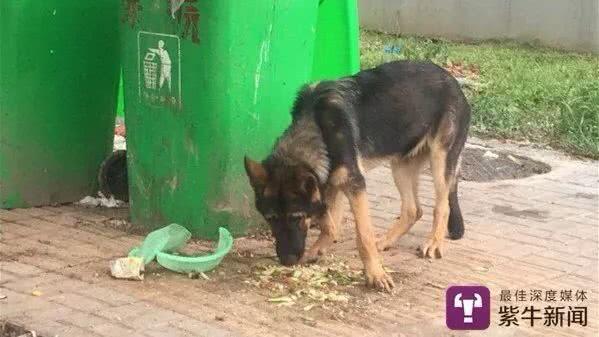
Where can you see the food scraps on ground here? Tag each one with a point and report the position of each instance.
(310, 285)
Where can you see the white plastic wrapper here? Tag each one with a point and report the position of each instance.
(130, 268)
(101, 201)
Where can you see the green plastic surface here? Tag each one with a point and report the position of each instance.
(231, 93)
(59, 63)
(337, 43)
(197, 264)
(167, 239)
(120, 109)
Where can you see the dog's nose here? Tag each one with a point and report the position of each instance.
(289, 260)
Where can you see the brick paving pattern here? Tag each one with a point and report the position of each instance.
(534, 233)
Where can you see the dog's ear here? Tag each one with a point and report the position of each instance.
(310, 187)
(256, 172)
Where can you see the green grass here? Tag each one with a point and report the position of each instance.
(526, 92)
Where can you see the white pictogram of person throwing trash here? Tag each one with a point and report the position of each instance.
(165, 65)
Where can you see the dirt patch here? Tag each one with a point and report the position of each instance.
(483, 165)
(586, 196)
(125, 226)
(260, 233)
(8, 329)
(522, 213)
(117, 218)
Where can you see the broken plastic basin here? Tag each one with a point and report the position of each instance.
(169, 238)
(198, 264)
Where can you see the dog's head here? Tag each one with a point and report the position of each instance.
(289, 198)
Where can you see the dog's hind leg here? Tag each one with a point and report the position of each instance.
(456, 222)
(433, 246)
(406, 174)
(329, 225)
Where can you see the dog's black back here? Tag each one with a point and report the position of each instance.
(390, 107)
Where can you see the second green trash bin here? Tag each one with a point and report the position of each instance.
(59, 63)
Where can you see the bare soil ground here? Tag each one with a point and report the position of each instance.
(483, 165)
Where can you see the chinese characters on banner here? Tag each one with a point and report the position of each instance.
(550, 308)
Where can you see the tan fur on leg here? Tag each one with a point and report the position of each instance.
(375, 274)
(406, 174)
(329, 225)
(433, 246)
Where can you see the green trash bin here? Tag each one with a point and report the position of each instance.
(207, 82)
(337, 41)
(59, 63)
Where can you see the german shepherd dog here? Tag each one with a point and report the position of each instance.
(403, 112)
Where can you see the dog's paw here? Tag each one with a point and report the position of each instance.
(379, 279)
(312, 255)
(432, 248)
(309, 259)
(383, 244)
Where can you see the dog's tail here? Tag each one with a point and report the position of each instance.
(456, 222)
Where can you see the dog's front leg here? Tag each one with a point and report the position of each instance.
(375, 274)
(328, 225)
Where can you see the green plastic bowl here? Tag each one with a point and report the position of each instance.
(198, 264)
(166, 239)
